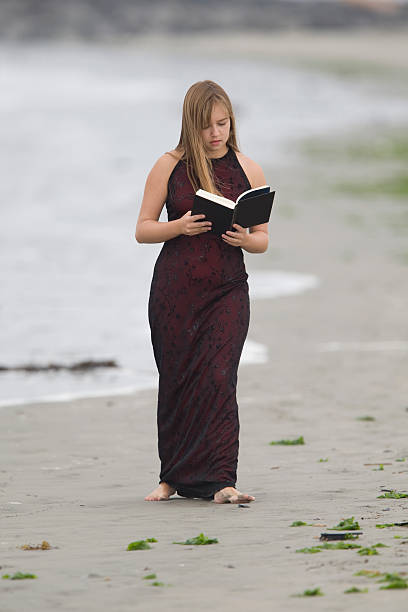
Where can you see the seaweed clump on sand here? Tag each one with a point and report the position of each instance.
(19, 576)
(395, 581)
(310, 593)
(141, 544)
(43, 546)
(356, 590)
(392, 495)
(200, 540)
(348, 524)
(299, 440)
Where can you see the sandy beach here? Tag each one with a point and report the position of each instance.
(75, 473)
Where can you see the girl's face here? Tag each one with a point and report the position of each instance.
(216, 134)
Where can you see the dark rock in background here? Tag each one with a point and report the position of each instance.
(113, 19)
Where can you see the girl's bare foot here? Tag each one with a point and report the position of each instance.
(162, 493)
(229, 495)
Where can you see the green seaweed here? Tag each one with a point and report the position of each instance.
(151, 540)
(371, 550)
(368, 573)
(311, 550)
(379, 469)
(149, 577)
(310, 593)
(397, 584)
(298, 524)
(356, 590)
(139, 545)
(19, 576)
(395, 581)
(156, 583)
(323, 460)
(384, 525)
(392, 495)
(400, 459)
(339, 546)
(348, 524)
(365, 418)
(199, 540)
(390, 577)
(299, 440)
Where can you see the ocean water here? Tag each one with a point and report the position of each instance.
(80, 128)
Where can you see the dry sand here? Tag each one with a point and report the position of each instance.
(75, 473)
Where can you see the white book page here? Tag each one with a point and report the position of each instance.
(254, 189)
(216, 198)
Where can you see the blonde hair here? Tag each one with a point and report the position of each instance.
(197, 108)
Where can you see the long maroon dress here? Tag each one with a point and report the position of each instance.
(199, 316)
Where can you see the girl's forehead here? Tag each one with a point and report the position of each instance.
(218, 111)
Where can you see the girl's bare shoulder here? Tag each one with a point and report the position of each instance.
(253, 170)
(165, 164)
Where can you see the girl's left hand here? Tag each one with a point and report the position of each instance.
(237, 238)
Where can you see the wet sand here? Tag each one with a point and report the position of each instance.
(75, 473)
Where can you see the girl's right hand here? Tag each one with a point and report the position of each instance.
(190, 224)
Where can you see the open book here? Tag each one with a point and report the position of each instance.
(252, 207)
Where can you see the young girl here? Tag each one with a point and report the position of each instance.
(199, 304)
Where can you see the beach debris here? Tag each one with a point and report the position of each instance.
(368, 573)
(200, 540)
(79, 366)
(299, 440)
(243, 506)
(341, 536)
(327, 546)
(43, 546)
(141, 544)
(356, 590)
(340, 546)
(155, 583)
(392, 494)
(19, 576)
(365, 418)
(371, 550)
(310, 550)
(94, 575)
(395, 581)
(348, 524)
(309, 593)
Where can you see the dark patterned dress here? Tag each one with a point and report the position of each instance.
(199, 316)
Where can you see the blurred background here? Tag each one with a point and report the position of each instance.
(91, 96)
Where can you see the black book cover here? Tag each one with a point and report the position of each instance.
(254, 211)
(220, 216)
(251, 209)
